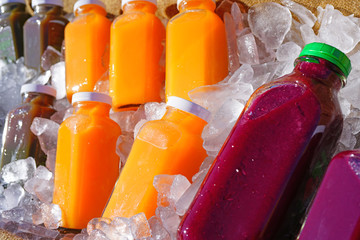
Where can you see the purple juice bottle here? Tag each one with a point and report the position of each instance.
(335, 211)
(285, 126)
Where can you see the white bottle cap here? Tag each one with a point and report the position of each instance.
(86, 2)
(123, 2)
(38, 88)
(189, 107)
(2, 2)
(179, 1)
(52, 2)
(91, 97)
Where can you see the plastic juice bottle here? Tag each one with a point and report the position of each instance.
(136, 45)
(87, 165)
(286, 126)
(196, 48)
(172, 145)
(45, 28)
(12, 18)
(335, 212)
(87, 40)
(18, 140)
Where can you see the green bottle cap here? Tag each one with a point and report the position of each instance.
(329, 53)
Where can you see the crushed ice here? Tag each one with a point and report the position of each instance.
(263, 45)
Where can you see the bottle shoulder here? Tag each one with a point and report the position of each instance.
(135, 16)
(196, 15)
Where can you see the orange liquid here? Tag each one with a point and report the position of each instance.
(196, 48)
(172, 145)
(136, 46)
(86, 164)
(87, 40)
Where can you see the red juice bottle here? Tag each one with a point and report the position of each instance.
(335, 211)
(283, 127)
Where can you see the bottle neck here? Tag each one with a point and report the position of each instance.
(142, 6)
(38, 98)
(187, 120)
(321, 70)
(12, 7)
(196, 4)
(92, 108)
(48, 9)
(90, 8)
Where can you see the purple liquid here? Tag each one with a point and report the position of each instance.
(335, 212)
(252, 174)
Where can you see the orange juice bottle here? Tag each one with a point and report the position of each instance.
(196, 48)
(172, 145)
(86, 162)
(87, 40)
(136, 46)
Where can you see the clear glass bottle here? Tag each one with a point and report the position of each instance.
(45, 28)
(18, 140)
(287, 127)
(87, 165)
(196, 48)
(136, 46)
(86, 53)
(12, 18)
(171, 145)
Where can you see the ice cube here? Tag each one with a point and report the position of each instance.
(169, 219)
(270, 22)
(50, 57)
(42, 78)
(177, 189)
(13, 195)
(304, 15)
(230, 28)
(219, 127)
(80, 237)
(51, 215)
(185, 200)
(58, 79)
(97, 235)
(122, 228)
(103, 85)
(15, 214)
(124, 144)
(42, 188)
(46, 130)
(38, 230)
(238, 17)
(248, 52)
(18, 171)
(138, 126)
(288, 52)
(162, 184)
(50, 160)
(11, 226)
(95, 223)
(308, 34)
(337, 30)
(206, 163)
(124, 119)
(139, 226)
(154, 110)
(158, 232)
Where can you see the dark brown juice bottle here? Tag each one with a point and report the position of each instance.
(45, 28)
(18, 140)
(12, 18)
